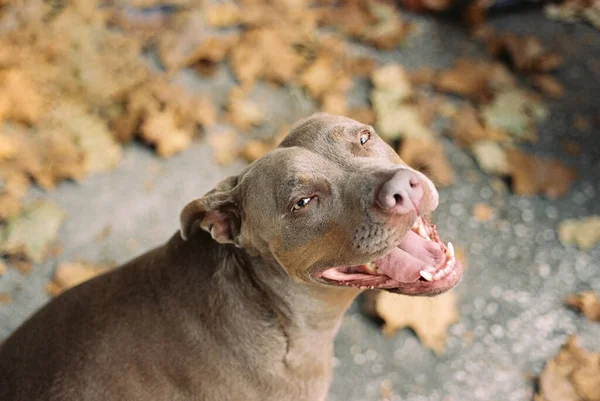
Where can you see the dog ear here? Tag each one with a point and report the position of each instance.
(217, 213)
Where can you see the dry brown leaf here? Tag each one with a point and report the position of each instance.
(428, 157)
(30, 234)
(548, 85)
(243, 112)
(572, 375)
(491, 157)
(255, 149)
(467, 129)
(398, 114)
(70, 274)
(224, 145)
(323, 77)
(335, 103)
(428, 317)
(10, 206)
(483, 212)
(587, 303)
(20, 99)
(532, 175)
(5, 298)
(364, 114)
(386, 392)
(377, 23)
(267, 54)
(583, 232)
(475, 79)
(525, 53)
(161, 130)
(222, 15)
(575, 10)
(515, 112)
(194, 42)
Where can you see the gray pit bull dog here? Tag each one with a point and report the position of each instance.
(244, 303)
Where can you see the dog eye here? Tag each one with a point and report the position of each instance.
(302, 203)
(364, 137)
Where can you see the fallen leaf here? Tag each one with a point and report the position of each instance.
(265, 53)
(549, 85)
(467, 129)
(224, 145)
(515, 112)
(491, 157)
(583, 232)
(428, 317)
(243, 112)
(572, 375)
(31, 233)
(428, 157)
(532, 175)
(70, 274)
(22, 102)
(10, 206)
(377, 23)
(475, 79)
(222, 15)
(586, 303)
(161, 129)
(573, 11)
(194, 41)
(524, 52)
(386, 392)
(255, 149)
(5, 298)
(398, 115)
(334, 103)
(483, 212)
(90, 137)
(364, 115)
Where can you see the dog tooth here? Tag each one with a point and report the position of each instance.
(426, 275)
(371, 266)
(451, 249)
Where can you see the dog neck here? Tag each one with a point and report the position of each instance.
(258, 297)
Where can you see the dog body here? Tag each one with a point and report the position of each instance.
(245, 302)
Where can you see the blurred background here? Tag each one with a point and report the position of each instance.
(115, 114)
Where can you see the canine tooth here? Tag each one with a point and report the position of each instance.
(451, 249)
(426, 275)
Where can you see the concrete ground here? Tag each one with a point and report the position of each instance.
(518, 273)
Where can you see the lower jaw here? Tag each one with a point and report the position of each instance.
(420, 287)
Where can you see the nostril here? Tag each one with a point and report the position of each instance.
(398, 198)
(414, 182)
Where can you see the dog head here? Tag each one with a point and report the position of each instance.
(333, 205)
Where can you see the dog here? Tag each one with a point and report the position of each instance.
(244, 302)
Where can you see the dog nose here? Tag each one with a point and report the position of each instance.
(402, 193)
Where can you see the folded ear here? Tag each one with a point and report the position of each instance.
(217, 212)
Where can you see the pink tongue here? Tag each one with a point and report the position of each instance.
(401, 266)
(427, 251)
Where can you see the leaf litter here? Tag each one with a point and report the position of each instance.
(92, 59)
(572, 375)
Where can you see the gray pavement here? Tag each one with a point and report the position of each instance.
(518, 273)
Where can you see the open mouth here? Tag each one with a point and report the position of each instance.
(419, 264)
